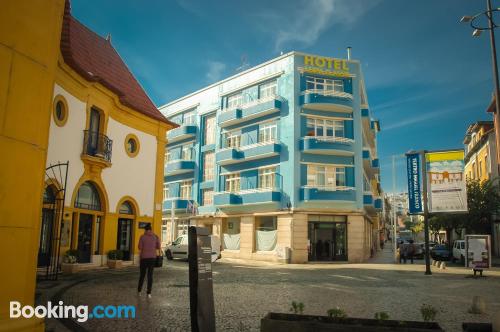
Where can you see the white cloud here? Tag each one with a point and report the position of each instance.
(311, 18)
(215, 71)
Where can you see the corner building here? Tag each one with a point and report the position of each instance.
(279, 161)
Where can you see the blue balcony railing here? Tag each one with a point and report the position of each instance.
(245, 153)
(248, 111)
(327, 145)
(178, 204)
(327, 100)
(310, 193)
(181, 133)
(179, 167)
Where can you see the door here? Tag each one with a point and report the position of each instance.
(340, 236)
(84, 238)
(45, 245)
(321, 244)
(94, 128)
(124, 239)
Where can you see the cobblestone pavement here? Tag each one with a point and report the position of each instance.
(244, 292)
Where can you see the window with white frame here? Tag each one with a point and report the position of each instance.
(208, 166)
(326, 177)
(320, 127)
(208, 196)
(209, 135)
(267, 89)
(325, 84)
(232, 139)
(268, 132)
(189, 118)
(234, 100)
(166, 191)
(233, 182)
(167, 156)
(267, 177)
(186, 187)
(186, 152)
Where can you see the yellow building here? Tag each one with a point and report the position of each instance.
(480, 151)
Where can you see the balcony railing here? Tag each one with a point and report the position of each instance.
(329, 93)
(250, 103)
(340, 140)
(97, 145)
(329, 188)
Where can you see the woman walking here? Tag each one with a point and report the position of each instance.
(149, 245)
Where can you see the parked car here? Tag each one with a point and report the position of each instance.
(179, 248)
(459, 251)
(440, 252)
(419, 250)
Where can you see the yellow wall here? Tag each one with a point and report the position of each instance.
(476, 168)
(29, 44)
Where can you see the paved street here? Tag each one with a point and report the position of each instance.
(244, 293)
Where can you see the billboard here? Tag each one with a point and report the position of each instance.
(446, 182)
(414, 190)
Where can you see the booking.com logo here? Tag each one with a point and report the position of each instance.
(80, 313)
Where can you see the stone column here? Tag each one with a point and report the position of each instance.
(299, 238)
(247, 240)
(356, 237)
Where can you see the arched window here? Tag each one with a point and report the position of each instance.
(126, 208)
(49, 196)
(88, 197)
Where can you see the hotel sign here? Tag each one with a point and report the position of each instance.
(414, 190)
(326, 66)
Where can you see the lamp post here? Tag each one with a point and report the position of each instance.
(478, 29)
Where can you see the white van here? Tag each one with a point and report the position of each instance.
(179, 248)
(459, 251)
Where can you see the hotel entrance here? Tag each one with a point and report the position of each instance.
(327, 238)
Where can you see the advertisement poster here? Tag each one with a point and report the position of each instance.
(414, 189)
(446, 190)
(478, 251)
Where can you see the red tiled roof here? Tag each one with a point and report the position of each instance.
(94, 58)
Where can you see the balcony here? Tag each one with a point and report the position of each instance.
(376, 165)
(175, 167)
(310, 193)
(377, 203)
(246, 153)
(327, 100)
(250, 196)
(178, 203)
(327, 145)
(248, 111)
(97, 147)
(183, 132)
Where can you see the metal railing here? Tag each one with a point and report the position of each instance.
(251, 103)
(329, 93)
(329, 188)
(97, 145)
(341, 140)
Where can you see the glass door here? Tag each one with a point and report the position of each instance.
(124, 237)
(84, 238)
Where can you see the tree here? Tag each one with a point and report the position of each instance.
(483, 200)
(414, 226)
(446, 222)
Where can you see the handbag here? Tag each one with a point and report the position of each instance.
(159, 260)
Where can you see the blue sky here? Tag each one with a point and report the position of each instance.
(427, 78)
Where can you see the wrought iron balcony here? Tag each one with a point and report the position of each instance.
(97, 145)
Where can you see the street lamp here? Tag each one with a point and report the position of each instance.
(478, 29)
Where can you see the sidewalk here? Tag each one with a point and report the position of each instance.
(384, 256)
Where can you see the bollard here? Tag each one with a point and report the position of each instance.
(433, 262)
(478, 305)
(442, 266)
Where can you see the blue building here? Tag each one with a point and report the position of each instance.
(279, 161)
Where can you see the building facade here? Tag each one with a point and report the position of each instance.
(113, 138)
(481, 163)
(279, 161)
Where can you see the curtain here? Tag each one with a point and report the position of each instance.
(232, 241)
(266, 240)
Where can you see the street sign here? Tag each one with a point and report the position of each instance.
(201, 294)
(414, 183)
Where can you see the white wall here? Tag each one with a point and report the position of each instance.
(66, 142)
(128, 176)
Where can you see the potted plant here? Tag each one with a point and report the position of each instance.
(69, 264)
(115, 259)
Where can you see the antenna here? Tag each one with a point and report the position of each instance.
(244, 63)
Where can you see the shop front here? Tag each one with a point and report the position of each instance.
(327, 238)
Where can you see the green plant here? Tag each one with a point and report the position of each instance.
(70, 256)
(297, 307)
(336, 313)
(382, 315)
(115, 255)
(428, 312)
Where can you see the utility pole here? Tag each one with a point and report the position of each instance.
(394, 222)
(426, 213)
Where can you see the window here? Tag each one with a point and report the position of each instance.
(474, 171)
(233, 182)
(480, 168)
(232, 139)
(60, 112)
(126, 208)
(88, 197)
(234, 100)
(209, 135)
(326, 177)
(131, 145)
(267, 89)
(166, 191)
(189, 118)
(488, 166)
(267, 132)
(167, 156)
(324, 84)
(186, 189)
(208, 196)
(267, 177)
(266, 233)
(325, 128)
(186, 152)
(208, 166)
